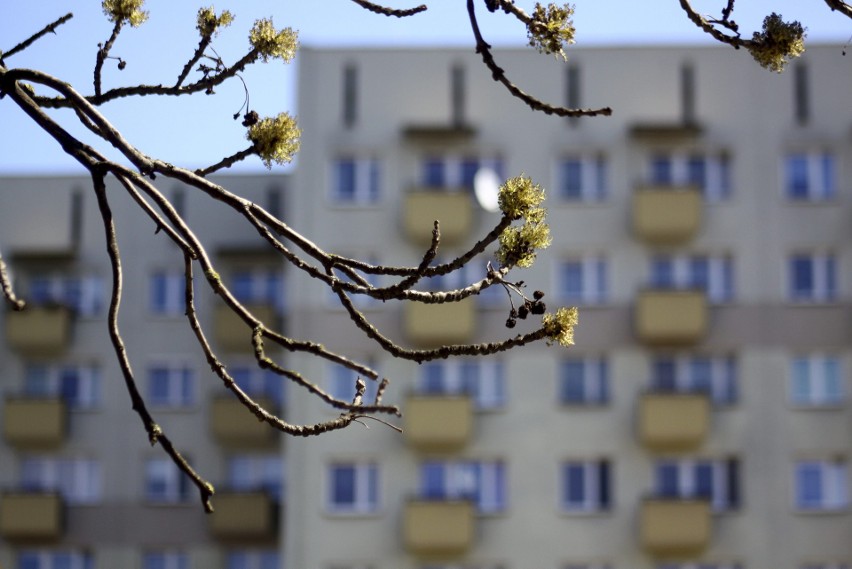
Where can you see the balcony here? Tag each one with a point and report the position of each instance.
(673, 421)
(438, 422)
(244, 516)
(232, 334)
(31, 517)
(671, 317)
(666, 132)
(438, 528)
(666, 215)
(233, 425)
(675, 528)
(39, 329)
(432, 325)
(454, 209)
(35, 423)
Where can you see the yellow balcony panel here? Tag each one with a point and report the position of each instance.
(35, 423)
(432, 325)
(232, 334)
(665, 132)
(244, 516)
(453, 209)
(438, 528)
(39, 329)
(666, 215)
(438, 422)
(30, 517)
(438, 134)
(675, 528)
(671, 317)
(673, 421)
(232, 424)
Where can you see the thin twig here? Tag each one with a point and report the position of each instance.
(103, 52)
(227, 162)
(8, 292)
(378, 9)
(50, 28)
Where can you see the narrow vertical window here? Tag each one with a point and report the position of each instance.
(457, 94)
(687, 93)
(572, 91)
(350, 95)
(801, 98)
(273, 202)
(179, 201)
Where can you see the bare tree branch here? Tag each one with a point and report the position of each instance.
(378, 9)
(50, 28)
(6, 285)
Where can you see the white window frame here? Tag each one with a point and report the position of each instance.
(595, 287)
(78, 479)
(724, 376)
(818, 392)
(181, 378)
(459, 483)
(596, 383)
(713, 191)
(716, 268)
(489, 391)
(365, 195)
(45, 380)
(591, 503)
(49, 558)
(174, 303)
(363, 503)
(593, 189)
(822, 290)
(252, 472)
(688, 483)
(819, 189)
(833, 485)
(165, 559)
(175, 483)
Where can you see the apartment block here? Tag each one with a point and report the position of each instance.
(701, 421)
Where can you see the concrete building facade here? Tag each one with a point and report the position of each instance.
(701, 421)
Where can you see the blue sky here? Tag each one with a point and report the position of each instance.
(199, 131)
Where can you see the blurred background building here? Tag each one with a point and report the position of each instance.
(701, 421)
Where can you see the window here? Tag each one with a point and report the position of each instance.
(714, 480)
(452, 566)
(356, 181)
(714, 375)
(712, 274)
(253, 559)
(587, 566)
(821, 485)
(84, 295)
(483, 380)
(583, 178)
(457, 94)
(353, 488)
(342, 384)
(584, 381)
(456, 172)
(249, 473)
(78, 480)
(587, 486)
(699, 566)
(810, 176)
(482, 482)
(78, 385)
(258, 382)
(572, 90)
(801, 94)
(259, 286)
(583, 280)
(164, 482)
(54, 559)
(171, 385)
(165, 560)
(812, 277)
(710, 172)
(816, 381)
(350, 95)
(168, 294)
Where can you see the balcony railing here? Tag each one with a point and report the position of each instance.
(438, 528)
(39, 329)
(31, 517)
(244, 516)
(666, 215)
(675, 528)
(453, 209)
(432, 325)
(232, 424)
(674, 317)
(35, 423)
(438, 422)
(232, 334)
(673, 421)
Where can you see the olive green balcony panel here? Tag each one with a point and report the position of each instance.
(673, 421)
(38, 329)
(665, 132)
(667, 216)
(432, 325)
(244, 516)
(232, 424)
(30, 517)
(453, 209)
(35, 423)
(232, 334)
(671, 317)
(675, 528)
(437, 422)
(438, 529)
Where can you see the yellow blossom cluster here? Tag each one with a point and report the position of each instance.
(129, 11)
(551, 30)
(559, 327)
(778, 43)
(520, 198)
(208, 23)
(275, 139)
(270, 42)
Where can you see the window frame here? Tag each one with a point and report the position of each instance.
(687, 482)
(181, 385)
(593, 170)
(594, 279)
(483, 482)
(817, 392)
(822, 274)
(366, 489)
(487, 390)
(596, 499)
(166, 294)
(78, 479)
(595, 382)
(164, 472)
(54, 383)
(813, 180)
(832, 486)
(366, 181)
